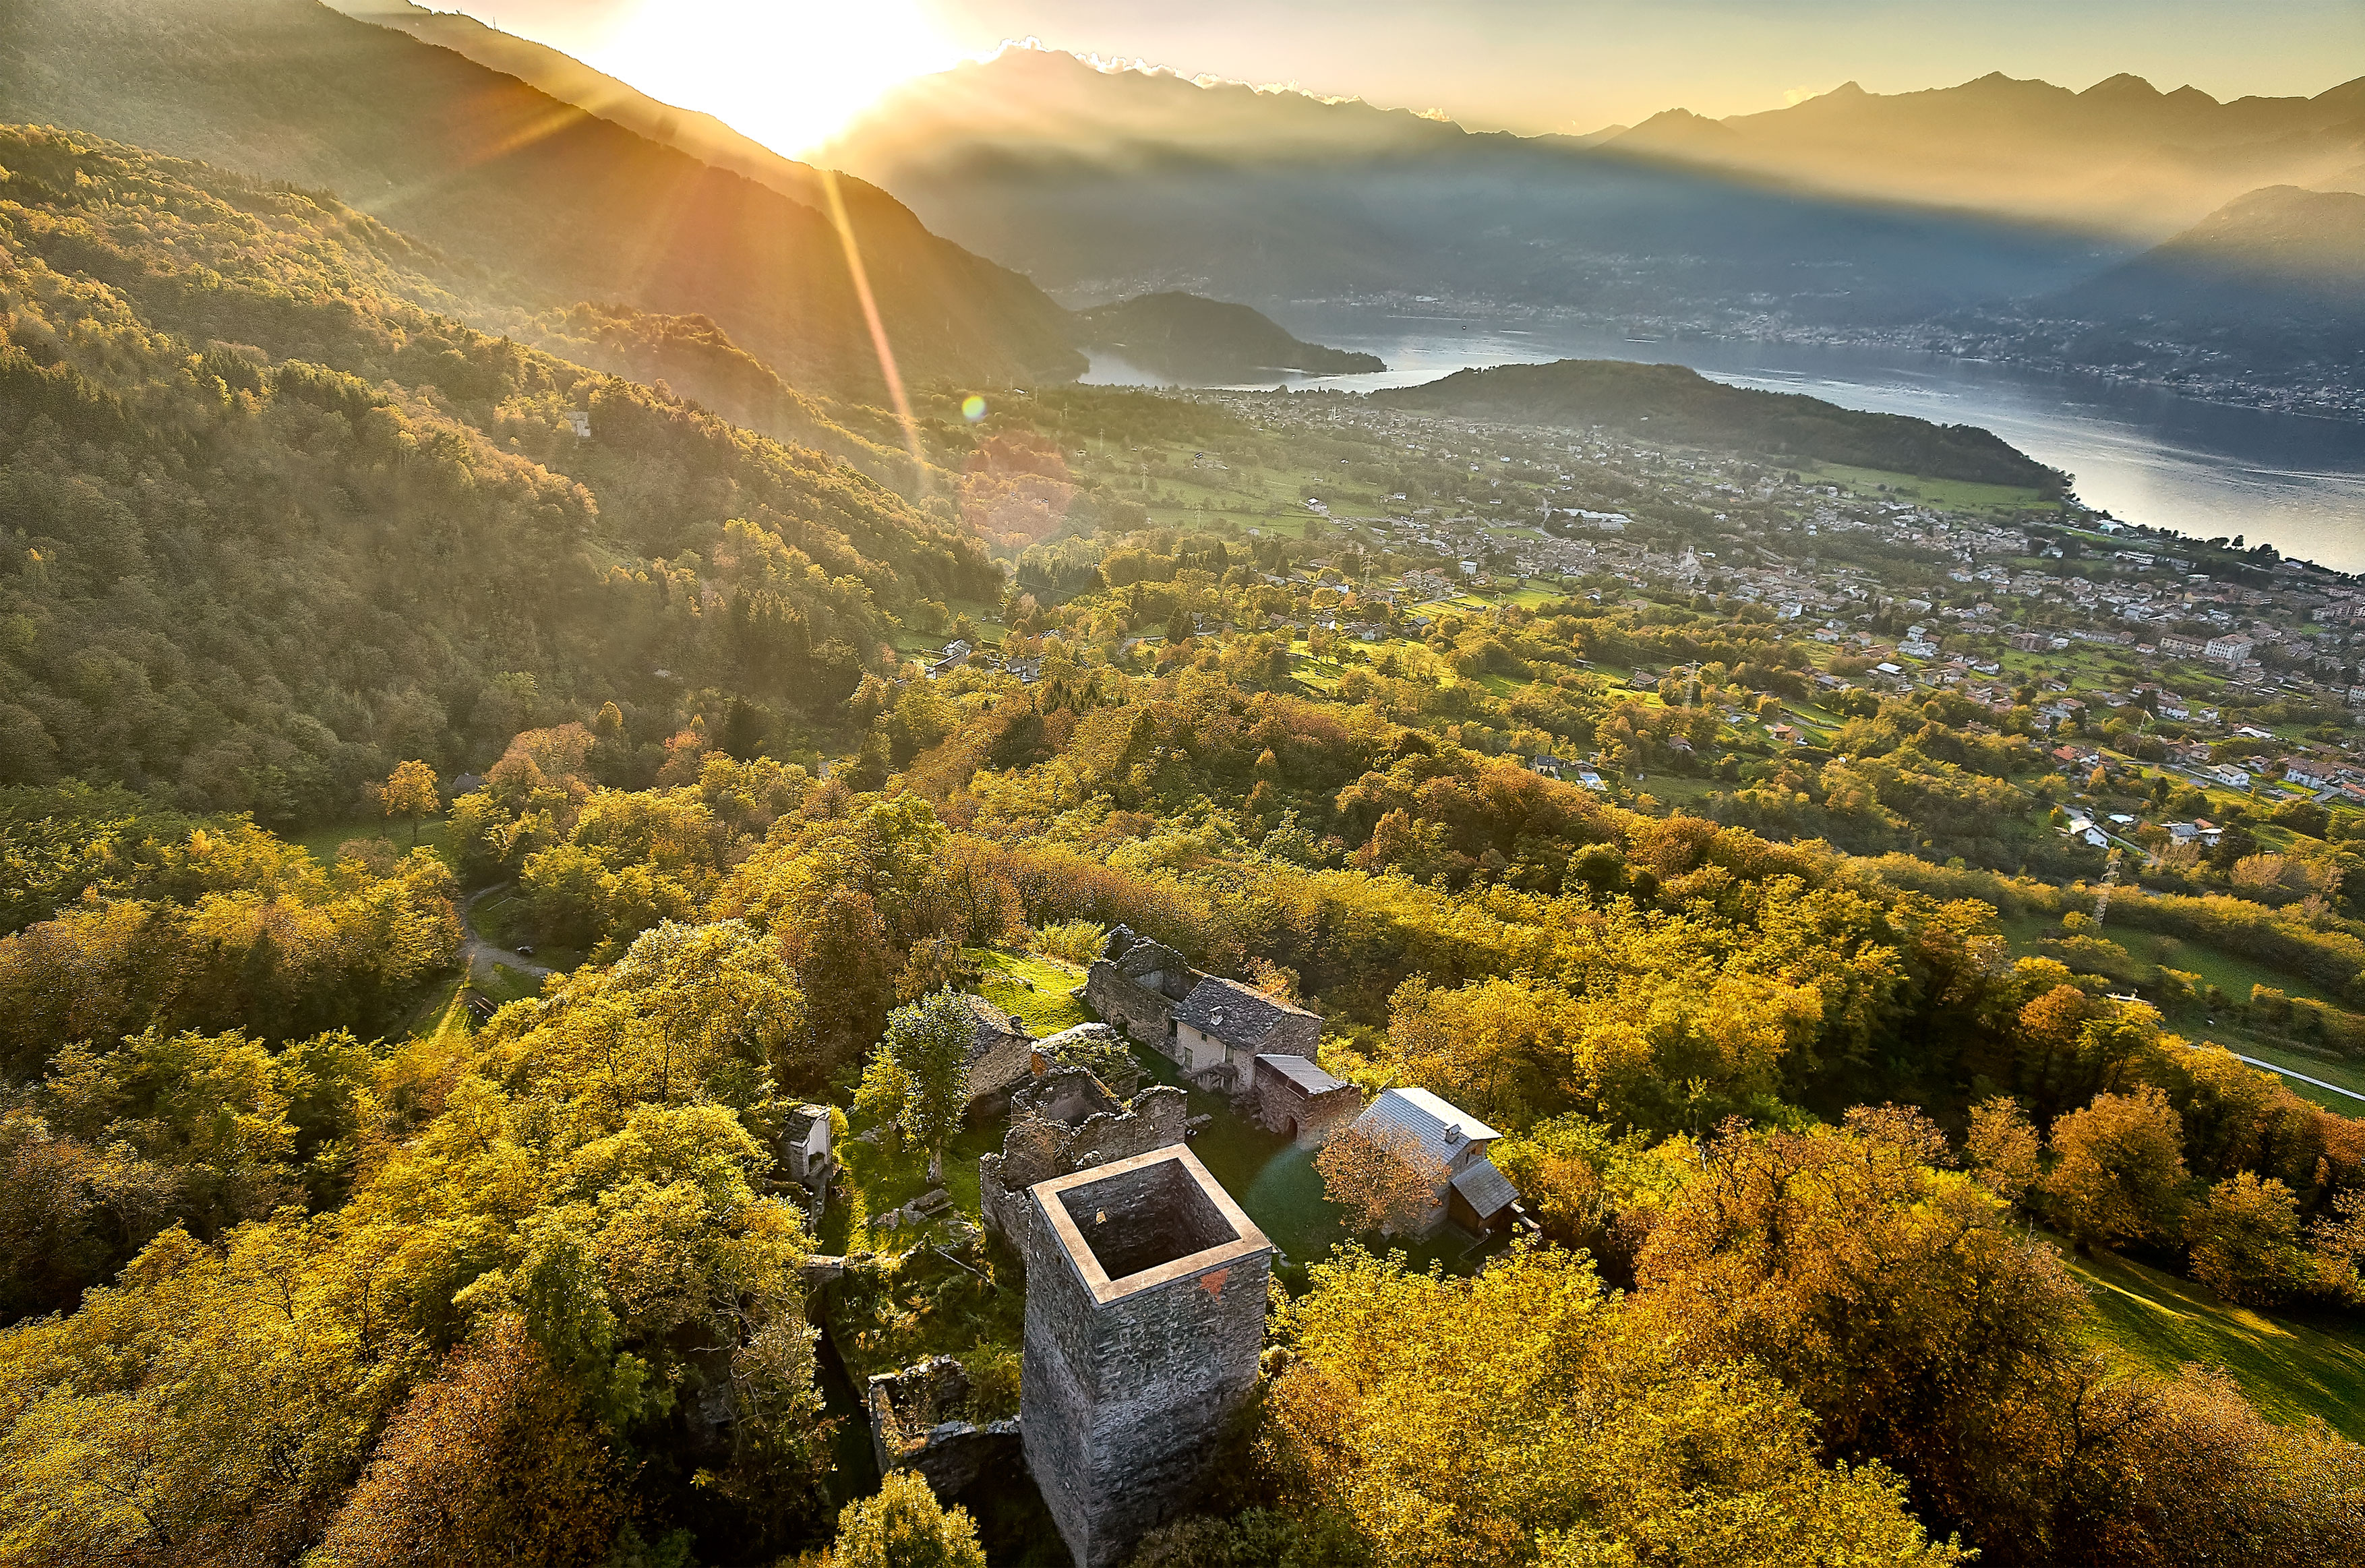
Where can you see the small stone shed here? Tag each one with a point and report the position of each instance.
(804, 1144)
(1296, 1099)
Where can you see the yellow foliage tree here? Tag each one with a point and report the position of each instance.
(1525, 1416)
(408, 791)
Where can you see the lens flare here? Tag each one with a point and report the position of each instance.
(972, 407)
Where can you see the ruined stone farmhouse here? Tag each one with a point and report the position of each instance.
(1214, 1029)
(1001, 1053)
(1065, 1118)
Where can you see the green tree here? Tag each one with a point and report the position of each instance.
(2118, 1168)
(1523, 1417)
(409, 791)
(929, 1041)
(904, 1527)
(2246, 1244)
(491, 1460)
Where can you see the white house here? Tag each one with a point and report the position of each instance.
(1471, 1190)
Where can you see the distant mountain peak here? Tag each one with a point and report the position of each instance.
(2126, 84)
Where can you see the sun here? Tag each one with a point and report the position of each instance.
(789, 72)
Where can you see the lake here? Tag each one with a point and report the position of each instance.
(2142, 454)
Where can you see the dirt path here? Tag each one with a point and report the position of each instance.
(480, 955)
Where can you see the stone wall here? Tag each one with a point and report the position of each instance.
(1140, 1012)
(916, 1424)
(1066, 1121)
(1131, 1383)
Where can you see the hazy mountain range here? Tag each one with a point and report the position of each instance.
(2021, 217)
(2015, 215)
(544, 203)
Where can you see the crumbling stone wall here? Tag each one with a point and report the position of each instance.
(1066, 1121)
(917, 1424)
(1134, 984)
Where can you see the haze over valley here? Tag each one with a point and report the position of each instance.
(789, 786)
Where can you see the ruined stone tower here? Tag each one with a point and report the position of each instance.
(1145, 1317)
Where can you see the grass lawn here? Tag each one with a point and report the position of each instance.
(323, 842)
(1032, 989)
(505, 984)
(2291, 1368)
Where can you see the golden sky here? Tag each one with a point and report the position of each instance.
(790, 72)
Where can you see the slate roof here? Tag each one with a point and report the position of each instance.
(1234, 1013)
(1442, 1130)
(1485, 1189)
(797, 1124)
(1309, 1077)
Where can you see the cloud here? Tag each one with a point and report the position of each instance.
(1793, 97)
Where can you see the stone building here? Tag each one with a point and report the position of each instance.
(1066, 1120)
(1213, 1029)
(1136, 983)
(1001, 1053)
(1145, 1319)
(804, 1144)
(1299, 1100)
(1222, 1027)
(1471, 1190)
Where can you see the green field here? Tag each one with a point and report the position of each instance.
(323, 842)
(2291, 1369)
(1951, 495)
(1032, 989)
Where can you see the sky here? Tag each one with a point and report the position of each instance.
(791, 72)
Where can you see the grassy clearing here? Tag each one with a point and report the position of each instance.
(1032, 988)
(1952, 495)
(321, 841)
(505, 984)
(884, 1172)
(2289, 1368)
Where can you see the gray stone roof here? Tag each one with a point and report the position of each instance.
(1235, 1015)
(1308, 1077)
(1485, 1189)
(1443, 1131)
(801, 1121)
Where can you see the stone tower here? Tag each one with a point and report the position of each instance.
(1145, 1317)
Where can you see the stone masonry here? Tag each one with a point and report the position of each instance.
(1067, 1120)
(917, 1422)
(1299, 1100)
(1144, 1318)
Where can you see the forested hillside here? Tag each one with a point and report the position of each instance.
(543, 203)
(1683, 405)
(1184, 334)
(472, 821)
(274, 524)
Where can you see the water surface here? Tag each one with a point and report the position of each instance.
(2143, 454)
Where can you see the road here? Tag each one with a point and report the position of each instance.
(2302, 1077)
(481, 955)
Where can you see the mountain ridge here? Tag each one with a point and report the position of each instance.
(550, 202)
(1189, 335)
